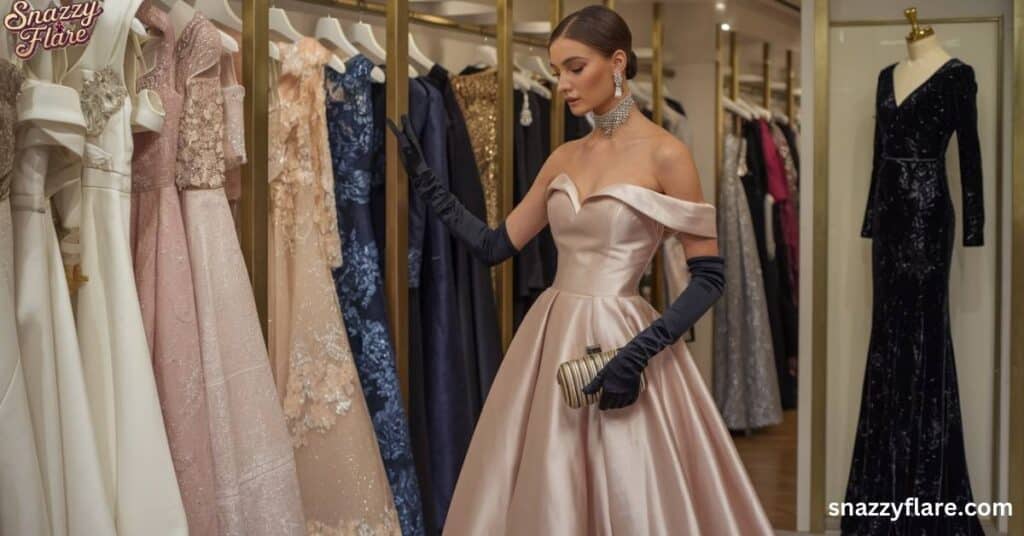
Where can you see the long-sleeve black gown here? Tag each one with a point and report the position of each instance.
(909, 435)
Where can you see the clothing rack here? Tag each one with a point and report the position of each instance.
(254, 209)
(734, 85)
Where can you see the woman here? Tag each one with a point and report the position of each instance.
(653, 462)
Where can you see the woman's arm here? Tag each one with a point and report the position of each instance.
(491, 246)
(620, 378)
(677, 175)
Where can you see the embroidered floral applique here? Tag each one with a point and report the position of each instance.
(101, 96)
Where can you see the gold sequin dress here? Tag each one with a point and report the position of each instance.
(477, 94)
(341, 473)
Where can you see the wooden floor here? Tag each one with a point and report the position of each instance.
(769, 455)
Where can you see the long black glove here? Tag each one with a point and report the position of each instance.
(620, 378)
(489, 245)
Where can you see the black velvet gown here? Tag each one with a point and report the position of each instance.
(909, 436)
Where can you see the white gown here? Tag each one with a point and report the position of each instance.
(51, 133)
(135, 457)
(22, 502)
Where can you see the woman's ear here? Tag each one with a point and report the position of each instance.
(620, 60)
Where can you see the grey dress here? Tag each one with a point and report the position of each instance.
(746, 387)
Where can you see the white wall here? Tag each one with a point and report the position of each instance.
(972, 302)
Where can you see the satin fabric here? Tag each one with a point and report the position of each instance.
(477, 313)
(135, 457)
(664, 465)
(65, 434)
(22, 500)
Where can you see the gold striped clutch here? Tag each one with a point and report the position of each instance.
(576, 374)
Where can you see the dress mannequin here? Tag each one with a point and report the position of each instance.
(924, 56)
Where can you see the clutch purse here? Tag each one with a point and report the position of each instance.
(576, 374)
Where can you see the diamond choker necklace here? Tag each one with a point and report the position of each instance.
(615, 117)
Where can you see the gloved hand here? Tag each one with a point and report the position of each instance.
(620, 378)
(491, 246)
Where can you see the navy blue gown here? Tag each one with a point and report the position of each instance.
(354, 139)
(909, 439)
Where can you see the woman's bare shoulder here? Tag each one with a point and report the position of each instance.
(675, 169)
(558, 160)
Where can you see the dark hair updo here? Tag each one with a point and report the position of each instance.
(601, 28)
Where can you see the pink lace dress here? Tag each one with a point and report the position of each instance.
(163, 277)
(254, 467)
(344, 487)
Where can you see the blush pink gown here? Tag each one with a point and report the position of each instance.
(257, 486)
(665, 465)
(163, 278)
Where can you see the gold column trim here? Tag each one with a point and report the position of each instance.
(1015, 476)
(657, 80)
(396, 277)
(719, 114)
(505, 159)
(766, 73)
(819, 273)
(557, 100)
(610, 4)
(790, 88)
(254, 206)
(734, 74)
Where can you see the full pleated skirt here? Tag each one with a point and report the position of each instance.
(664, 465)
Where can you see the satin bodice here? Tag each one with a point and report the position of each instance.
(606, 241)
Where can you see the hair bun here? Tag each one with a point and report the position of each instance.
(632, 64)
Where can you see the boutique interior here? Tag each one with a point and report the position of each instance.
(334, 260)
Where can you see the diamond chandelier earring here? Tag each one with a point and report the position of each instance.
(615, 117)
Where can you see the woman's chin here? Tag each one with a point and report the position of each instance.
(578, 109)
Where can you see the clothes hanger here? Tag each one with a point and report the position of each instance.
(732, 106)
(220, 12)
(542, 69)
(418, 56)
(139, 29)
(280, 24)
(527, 79)
(329, 32)
(362, 35)
(148, 111)
(486, 56)
(227, 42)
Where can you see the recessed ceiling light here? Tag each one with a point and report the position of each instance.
(720, 6)
(725, 27)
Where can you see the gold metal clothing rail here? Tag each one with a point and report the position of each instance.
(255, 207)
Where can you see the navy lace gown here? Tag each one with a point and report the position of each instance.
(354, 139)
(910, 436)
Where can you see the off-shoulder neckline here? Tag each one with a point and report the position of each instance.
(603, 191)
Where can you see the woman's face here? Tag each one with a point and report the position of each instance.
(585, 76)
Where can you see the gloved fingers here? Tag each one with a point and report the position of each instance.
(410, 133)
(595, 385)
(612, 400)
(394, 129)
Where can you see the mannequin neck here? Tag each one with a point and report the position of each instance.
(180, 14)
(925, 48)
